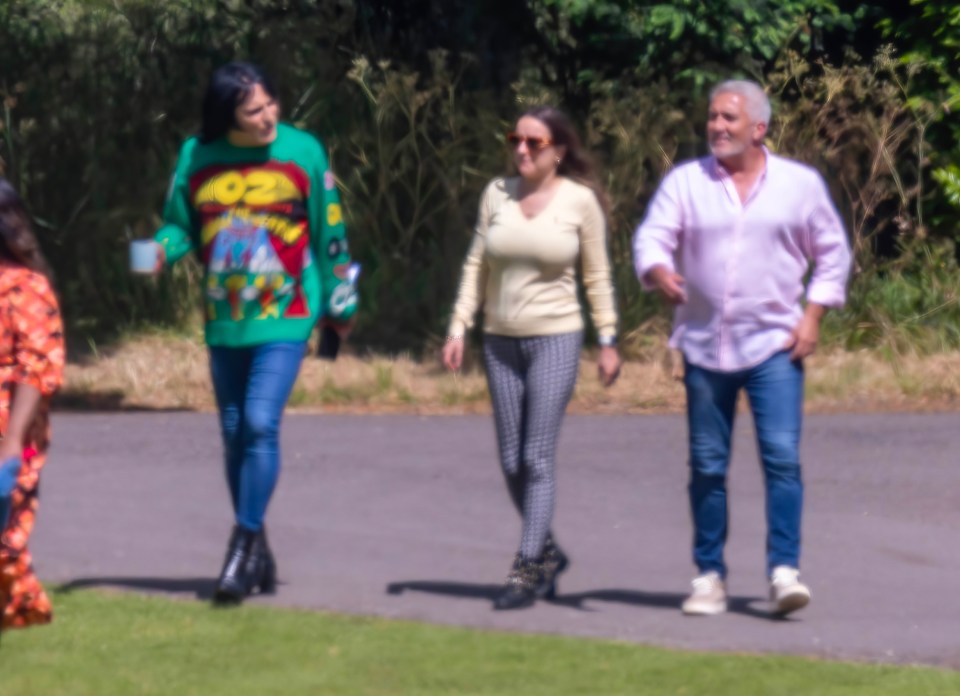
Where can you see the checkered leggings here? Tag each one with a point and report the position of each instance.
(531, 380)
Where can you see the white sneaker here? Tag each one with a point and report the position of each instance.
(787, 593)
(709, 596)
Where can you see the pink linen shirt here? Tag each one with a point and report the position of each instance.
(743, 264)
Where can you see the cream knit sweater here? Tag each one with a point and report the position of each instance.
(523, 270)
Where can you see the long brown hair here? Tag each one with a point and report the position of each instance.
(18, 244)
(576, 164)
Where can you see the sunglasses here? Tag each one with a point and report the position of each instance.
(533, 144)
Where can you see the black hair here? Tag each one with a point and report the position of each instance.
(229, 86)
(18, 244)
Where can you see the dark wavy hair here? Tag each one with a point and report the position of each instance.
(576, 164)
(229, 86)
(18, 244)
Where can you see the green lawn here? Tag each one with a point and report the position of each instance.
(117, 643)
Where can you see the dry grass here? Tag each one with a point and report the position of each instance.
(164, 372)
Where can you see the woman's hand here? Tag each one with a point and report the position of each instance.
(10, 448)
(608, 365)
(161, 260)
(453, 353)
(22, 410)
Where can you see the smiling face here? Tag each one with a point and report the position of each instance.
(534, 153)
(731, 131)
(256, 119)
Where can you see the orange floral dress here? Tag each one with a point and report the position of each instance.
(31, 352)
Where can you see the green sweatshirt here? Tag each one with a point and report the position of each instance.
(267, 226)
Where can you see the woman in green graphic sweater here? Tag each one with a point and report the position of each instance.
(255, 200)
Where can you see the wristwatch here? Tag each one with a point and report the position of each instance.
(607, 341)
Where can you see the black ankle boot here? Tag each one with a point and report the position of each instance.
(520, 589)
(555, 561)
(261, 567)
(235, 581)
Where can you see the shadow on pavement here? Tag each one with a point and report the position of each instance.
(748, 606)
(659, 600)
(465, 590)
(111, 400)
(201, 588)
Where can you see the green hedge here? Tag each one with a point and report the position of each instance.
(98, 96)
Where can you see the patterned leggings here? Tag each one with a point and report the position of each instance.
(531, 381)
(22, 599)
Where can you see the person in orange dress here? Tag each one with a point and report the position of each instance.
(31, 369)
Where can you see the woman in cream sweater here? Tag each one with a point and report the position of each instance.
(532, 232)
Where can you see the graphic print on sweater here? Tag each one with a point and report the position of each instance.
(254, 240)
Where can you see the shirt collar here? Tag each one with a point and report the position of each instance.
(722, 173)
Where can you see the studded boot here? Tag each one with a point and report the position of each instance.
(520, 588)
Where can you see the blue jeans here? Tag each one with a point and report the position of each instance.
(252, 386)
(775, 390)
(9, 470)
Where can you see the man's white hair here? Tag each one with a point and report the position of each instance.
(756, 101)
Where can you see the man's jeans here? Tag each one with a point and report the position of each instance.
(775, 391)
(252, 386)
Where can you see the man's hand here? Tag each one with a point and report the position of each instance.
(803, 339)
(453, 353)
(669, 283)
(608, 365)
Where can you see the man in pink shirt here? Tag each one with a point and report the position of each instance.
(729, 239)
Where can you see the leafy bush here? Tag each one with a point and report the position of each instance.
(98, 95)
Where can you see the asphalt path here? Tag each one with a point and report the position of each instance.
(407, 517)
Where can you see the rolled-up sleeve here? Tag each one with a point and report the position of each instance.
(657, 237)
(38, 346)
(829, 250)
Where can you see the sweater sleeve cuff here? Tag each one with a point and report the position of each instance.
(827, 295)
(175, 242)
(457, 328)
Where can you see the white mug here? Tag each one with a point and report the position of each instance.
(144, 254)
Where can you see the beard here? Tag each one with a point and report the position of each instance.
(727, 148)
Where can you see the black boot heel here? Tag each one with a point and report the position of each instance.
(547, 590)
(555, 561)
(267, 582)
(262, 567)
